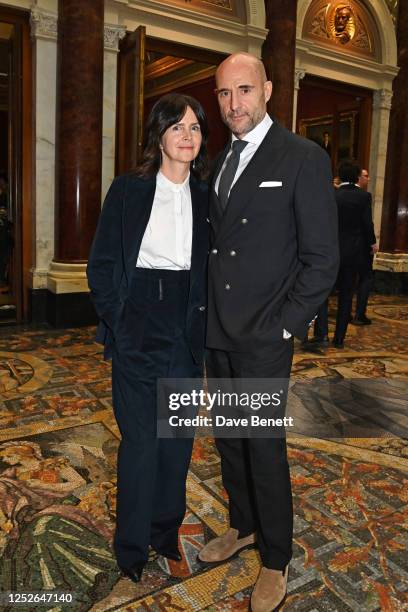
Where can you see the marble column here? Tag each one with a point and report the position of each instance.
(278, 54)
(394, 226)
(44, 45)
(113, 34)
(79, 127)
(382, 99)
(299, 75)
(78, 157)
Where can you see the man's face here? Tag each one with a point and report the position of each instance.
(341, 19)
(242, 95)
(363, 179)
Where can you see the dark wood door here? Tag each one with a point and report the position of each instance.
(130, 100)
(15, 165)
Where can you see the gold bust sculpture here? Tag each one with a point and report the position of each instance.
(341, 23)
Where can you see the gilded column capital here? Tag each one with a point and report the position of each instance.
(112, 34)
(43, 24)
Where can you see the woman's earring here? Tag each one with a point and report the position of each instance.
(193, 164)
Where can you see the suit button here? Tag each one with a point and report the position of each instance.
(202, 308)
(227, 286)
(233, 253)
(214, 251)
(244, 221)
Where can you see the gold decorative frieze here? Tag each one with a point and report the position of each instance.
(226, 4)
(347, 26)
(393, 6)
(228, 9)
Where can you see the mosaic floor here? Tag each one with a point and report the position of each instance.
(58, 444)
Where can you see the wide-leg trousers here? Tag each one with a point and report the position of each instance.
(255, 471)
(150, 343)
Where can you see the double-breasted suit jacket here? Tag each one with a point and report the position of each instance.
(274, 252)
(115, 250)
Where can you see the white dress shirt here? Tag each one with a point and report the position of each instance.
(254, 139)
(166, 243)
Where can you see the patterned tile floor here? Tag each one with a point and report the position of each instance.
(58, 444)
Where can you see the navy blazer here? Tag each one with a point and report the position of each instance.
(115, 249)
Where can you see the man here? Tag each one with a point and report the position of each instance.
(326, 144)
(272, 264)
(365, 279)
(355, 234)
(320, 337)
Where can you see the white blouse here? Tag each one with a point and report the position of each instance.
(167, 241)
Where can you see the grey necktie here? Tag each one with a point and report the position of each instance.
(228, 174)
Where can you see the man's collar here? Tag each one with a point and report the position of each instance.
(259, 132)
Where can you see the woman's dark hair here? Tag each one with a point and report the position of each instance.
(167, 111)
(349, 171)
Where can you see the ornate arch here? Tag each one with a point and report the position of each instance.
(382, 18)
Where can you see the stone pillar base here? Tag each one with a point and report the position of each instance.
(65, 302)
(391, 262)
(67, 278)
(391, 273)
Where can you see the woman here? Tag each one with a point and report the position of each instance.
(146, 272)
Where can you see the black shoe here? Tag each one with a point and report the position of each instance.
(339, 344)
(308, 347)
(172, 553)
(363, 320)
(134, 573)
(319, 340)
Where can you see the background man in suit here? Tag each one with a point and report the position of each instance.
(356, 234)
(366, 276)
(272, 264)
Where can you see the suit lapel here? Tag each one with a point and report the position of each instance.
(137, 207)
(246, 187)
(216, 212)
(199, 242)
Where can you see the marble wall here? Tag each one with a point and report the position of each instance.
(44, 36)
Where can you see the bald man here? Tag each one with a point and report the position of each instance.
(273, 262)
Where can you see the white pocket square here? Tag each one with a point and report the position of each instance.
(271, 184)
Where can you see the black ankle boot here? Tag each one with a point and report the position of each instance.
(134, 573)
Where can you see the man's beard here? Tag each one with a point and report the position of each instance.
(250, 122)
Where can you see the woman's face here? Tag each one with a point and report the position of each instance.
(181, 142)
